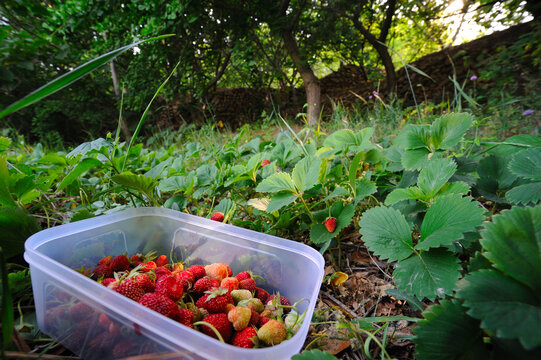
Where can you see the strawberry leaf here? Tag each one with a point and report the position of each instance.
(525, 194)
(364, 188)
(320, 235)
(280, 200)
(448, 129)
(446, 332)
(386, 233)
(435, 175)
(415, 159)
(305, 173)
(448, 219)
(314, 355)
(277, 182)
(397, 195)
(513, 243)
(504, 306)
(430, 274)
(527, 164)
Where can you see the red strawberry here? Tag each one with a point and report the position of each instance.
(162, 261)
(263, 320)
(265, 163)
(254, 319)
(105, 260)
(102, 270)
(104, 321)
(272, 333)
(160, 303)
(220, 322)
(185, 317)
(120, 263)
(80, 311)
(148, 266)
(169, 286)
(215, 301)
(161, 271)
(108, 281)
(130, 289)
(145, 282)
(229, 271)
(217, 216)
(261, 294)
(230, 283)
(215, 283)
(217, 271)
(272, 301)
(330, 224)
(202, 285)
(243, 276)
(185, 275)
(136, 258)
(245, 338)
(198, 271)
(248, 284)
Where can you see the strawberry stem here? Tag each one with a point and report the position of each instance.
(212, 327)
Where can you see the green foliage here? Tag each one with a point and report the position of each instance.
(314, 355)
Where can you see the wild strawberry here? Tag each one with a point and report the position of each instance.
(220, 322)
(80, 311)
(215, 283)
(102, 270)
(198, 271)
(160, 303)
(108, 281)
(254, 319)
(243, 276)
(104, 321)
(148, 266)
(330, 224)
(261, 294)
(177, 267)
(185, 275)
(130, 289)
(217, 271)
(253, 303)
(202, 285)
(161, 271)
(265, 163)
(145, 282)
(246, 338)
(239, 317)
(169, 286)
(230, 283)
(105, 260)
(217, 216)
(272, 333)
(125, 348)
(215, 301)
(185, 317)
(229, 271)
(273, 301)
(248, 284)
(120, 263)
(263, 320)
(162, 261)
(239, 295)
(136, 258)
(195, 311)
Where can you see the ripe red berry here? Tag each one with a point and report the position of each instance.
(248, 284)
(169, 286)
(185, 317)
(198, 271)
(202, 285)
(246, 338)
(130, 289)
(261, 294)
(330, 224)
(162, 261)
(265, 163)
(230, 283)
(215, 301)
(102, 270)
(217, 216)
(161, 271)
(220, 322)
(120, 263)
(145, 282)
(105, 260)
(160, 303)
(243, 276)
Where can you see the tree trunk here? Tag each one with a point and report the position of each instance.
(385, 57)
(311, 82)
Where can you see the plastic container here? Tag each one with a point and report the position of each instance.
(98, 323)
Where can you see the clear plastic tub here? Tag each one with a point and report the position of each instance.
(92, 320)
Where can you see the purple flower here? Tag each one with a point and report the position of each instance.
(527, 112)
(370, 97)
(375, 93)
(473, 78)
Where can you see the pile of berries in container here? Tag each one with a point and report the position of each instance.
(210, 298)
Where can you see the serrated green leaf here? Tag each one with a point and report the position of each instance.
(386, 233)
(513, 243)
(337, 192)
(305, 173)
(277, 182)
(280, 200)
(78, 170)
(504, 306)
(413, 137)
(415, 159)
(431, 274)
(495, 168)
(458, 187)
(86, 147)
(525, 194)
(448, 219)
(319, 234)
(527, 164)
(260, 204)
(448, 129)
(364, 188)
(314, 355)
(4, 143)
(340, 139)
(137, 182)
(435, 174)
(448, 333)
(343, 215)
(516, 143)
(397, 195)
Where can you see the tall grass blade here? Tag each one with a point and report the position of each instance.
(143, 117)
(70, 77)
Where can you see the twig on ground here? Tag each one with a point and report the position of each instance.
(341, 304)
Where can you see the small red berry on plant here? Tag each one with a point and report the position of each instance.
(330, 224)
(217, 216)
